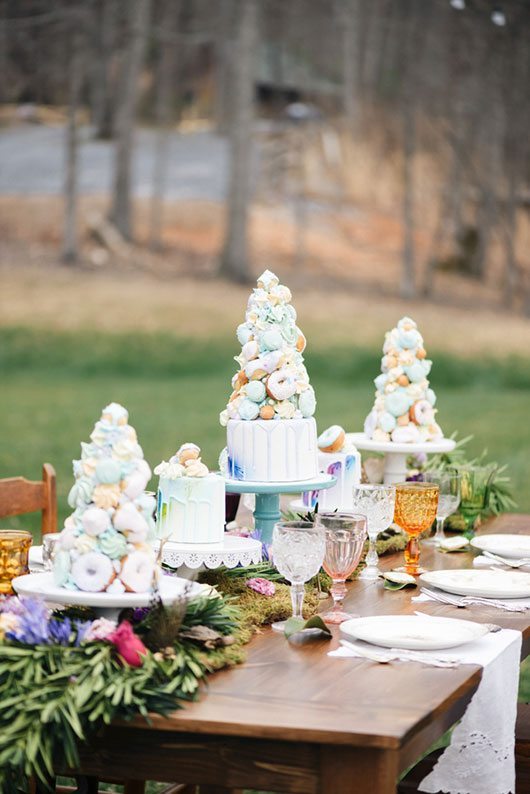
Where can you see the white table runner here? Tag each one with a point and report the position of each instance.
(481, 756)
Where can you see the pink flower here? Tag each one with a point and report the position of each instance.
(128, 644)
(99, 630)
(240, 532)
(263, 586)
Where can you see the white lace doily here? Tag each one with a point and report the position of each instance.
(231, 552)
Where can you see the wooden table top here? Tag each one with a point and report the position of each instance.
(298, 693)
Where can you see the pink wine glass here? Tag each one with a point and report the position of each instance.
(345, 537)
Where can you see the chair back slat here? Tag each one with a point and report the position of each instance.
(18, 496)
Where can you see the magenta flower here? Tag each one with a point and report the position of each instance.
(262, 586)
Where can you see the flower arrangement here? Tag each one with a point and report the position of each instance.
(63, 676)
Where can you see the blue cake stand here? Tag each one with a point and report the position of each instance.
(267, 509)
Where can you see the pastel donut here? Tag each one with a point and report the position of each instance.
(408, 339)
(397, 403)
(281, 384)
(387, 422)
(421, 353)
(403, 420)
(370, 423)
(389, 362)
(248, 410)
(255, 391)
(272, 360)
(403, 380)
(406, 324)
(137, 572)
(380, 435)
(422, 413)
(332, 439)
(250, 350)
(307, 402)
(266, 411)
(128, 518)
(427, 365)
(239, 380)
(92, 572)
(380, 381)
(406, 435)
(61, 567)
(255, 370)
(301, 342)
(430, 396)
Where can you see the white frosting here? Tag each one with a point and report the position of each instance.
(192, 509)
(272, 451)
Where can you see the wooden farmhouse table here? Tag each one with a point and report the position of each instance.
(291, 719)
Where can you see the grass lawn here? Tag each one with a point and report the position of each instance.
(54, 385)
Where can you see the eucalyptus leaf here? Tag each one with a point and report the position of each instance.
(388, 585)
(315, 624)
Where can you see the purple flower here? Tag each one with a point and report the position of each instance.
(60, 632)
(140, 613)
(33, 625)
(262, 586)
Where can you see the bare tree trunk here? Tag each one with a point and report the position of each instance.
(348, 19)
(139, 13)
(234, 259)
(70, 241)
(222, 106)
(105, 14)
(164, 115)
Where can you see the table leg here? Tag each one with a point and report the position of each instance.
(266, 514)
(345, 770)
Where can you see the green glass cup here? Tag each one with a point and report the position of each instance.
(474, 492)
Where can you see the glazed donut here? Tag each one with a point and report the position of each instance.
(255, 370)
(250, 350)
(272, 360)
(266, 412)
(421, 413)
(406, 435)
(137, 572)
(239, 380)
(403, 380)
(421, 353)
(128, 519)
(403, 420)
(281, 384)
(92, 572)
(332, 439)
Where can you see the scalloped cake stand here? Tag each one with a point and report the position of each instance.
(232, 551)
(267, 509)
(396, 454)
(107, 605)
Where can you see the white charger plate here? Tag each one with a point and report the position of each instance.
(484, 584)
(43, 586)
(413, 632)
(510, 546)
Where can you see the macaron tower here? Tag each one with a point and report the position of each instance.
(271, 432)
(404, 409)
(106, 543)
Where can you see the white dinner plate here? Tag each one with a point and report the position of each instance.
(484, 584)
(42, 585)
(413, 632)
(512, 546)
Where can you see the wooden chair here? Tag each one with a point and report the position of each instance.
(410, 783)
(19, 496)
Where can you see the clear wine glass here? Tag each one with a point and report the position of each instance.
(448, 481)
(376, 502)
(474, 490)
(298, 549)
(345, 536)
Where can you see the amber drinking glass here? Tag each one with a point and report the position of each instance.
(14, 551)
(414, 512)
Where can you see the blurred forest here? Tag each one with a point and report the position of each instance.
(384, 142)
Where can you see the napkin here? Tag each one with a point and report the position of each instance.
(357, 649)
(487, 562)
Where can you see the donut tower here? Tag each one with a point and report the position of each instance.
(404, 409)
(106, 543)
(271, 382)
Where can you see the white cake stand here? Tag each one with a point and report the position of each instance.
(396, 454)
(231, 552)
(109, 605)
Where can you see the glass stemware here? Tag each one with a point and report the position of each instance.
(376, 502)
(415, 511)
(448, 481)
(14, 551)
(345, 536)
(474, 490)
(298, 549)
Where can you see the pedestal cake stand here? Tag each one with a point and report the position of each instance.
(108, 605)
(267, 509)
(231, 552)
(396, 454)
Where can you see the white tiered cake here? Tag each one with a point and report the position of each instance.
(271, 432)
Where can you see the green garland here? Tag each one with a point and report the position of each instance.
(53, 697)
